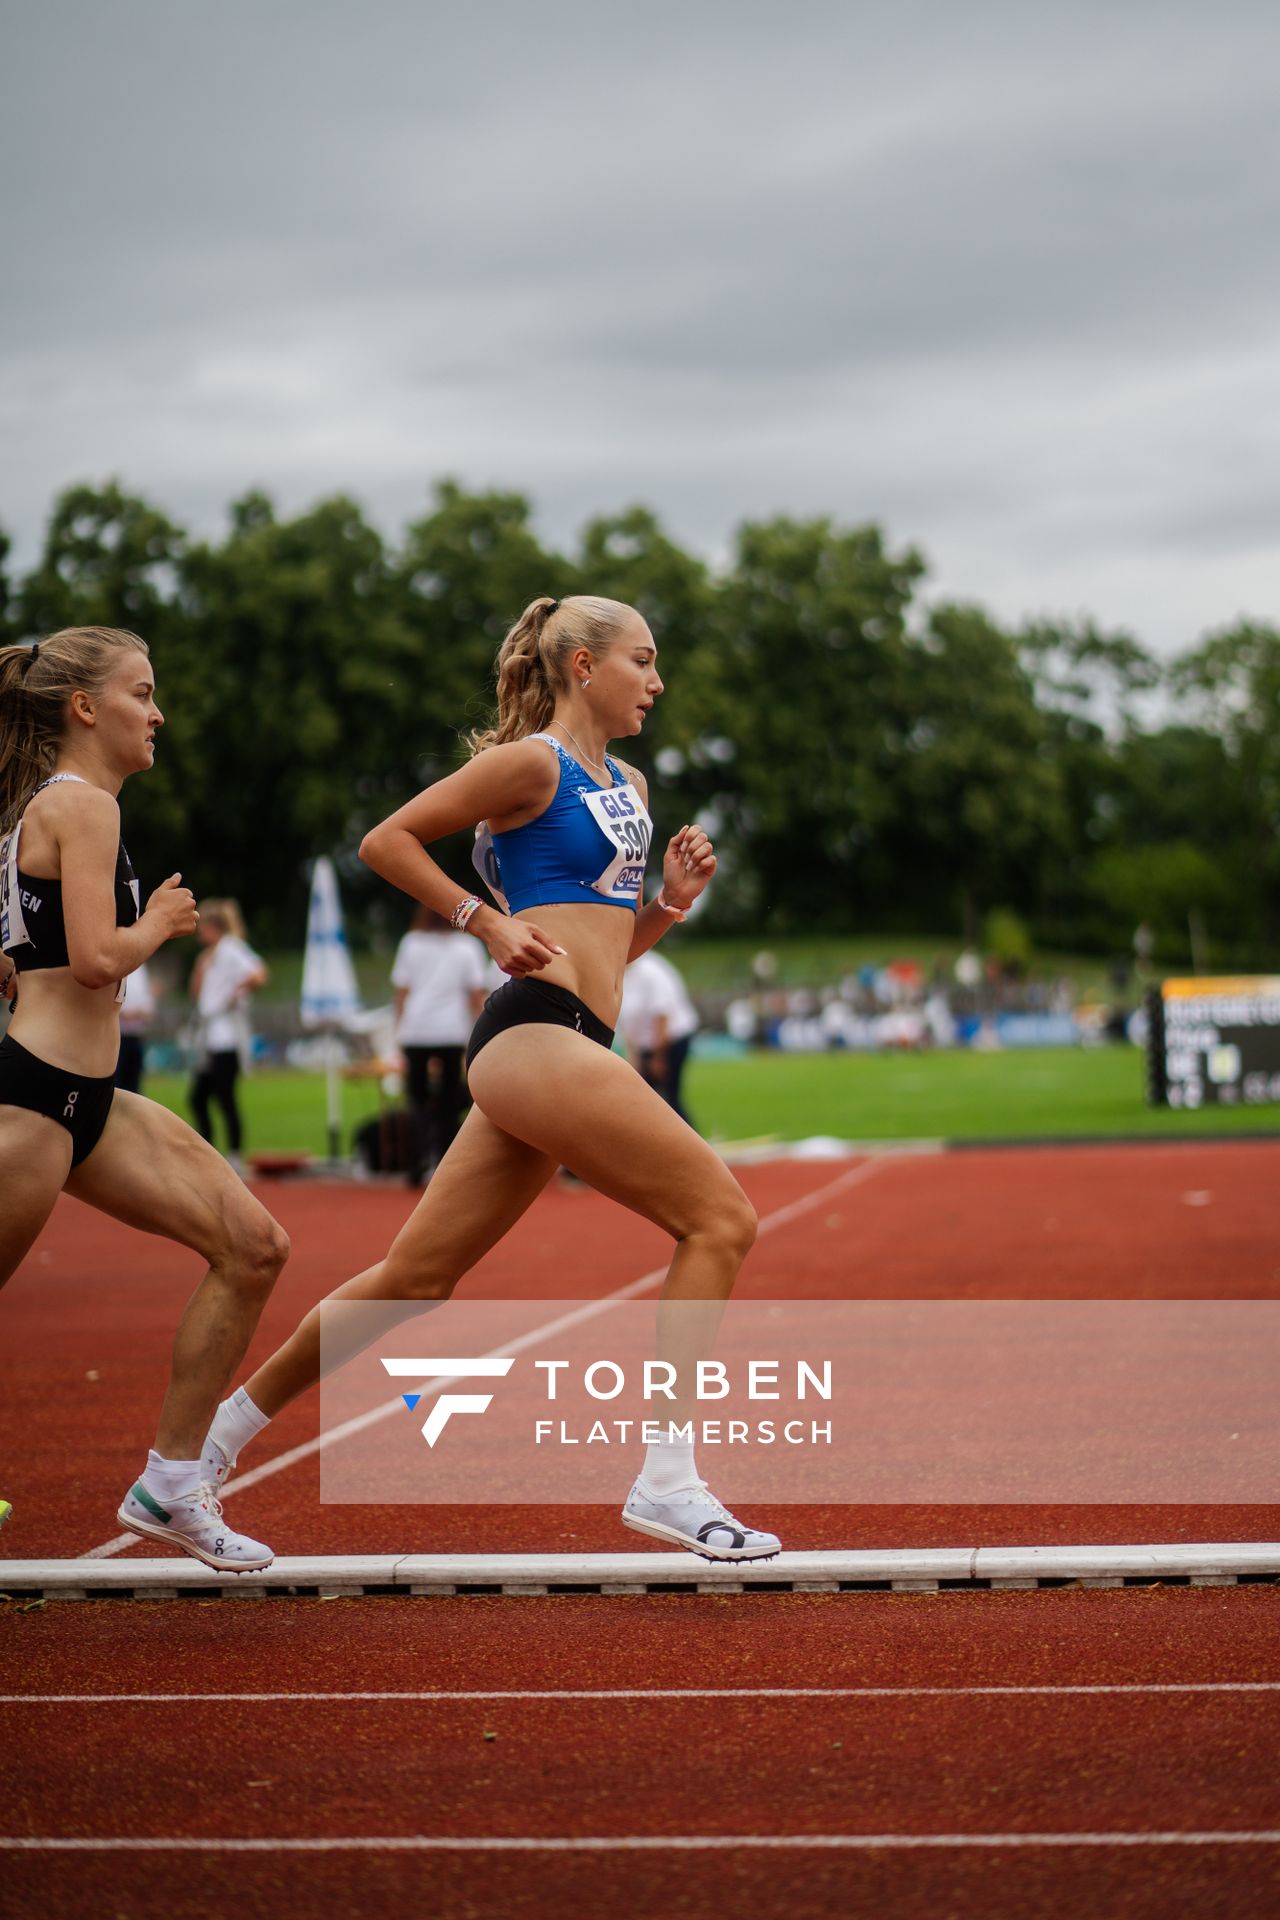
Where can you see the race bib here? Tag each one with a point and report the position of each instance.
(14, 931)
(484, 858)
(13, 925)
(619, 812)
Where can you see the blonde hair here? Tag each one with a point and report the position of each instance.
(225, 914)
(533, 660)
(35, 685)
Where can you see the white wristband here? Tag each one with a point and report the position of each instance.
(677, 913)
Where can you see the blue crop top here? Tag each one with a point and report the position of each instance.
(590, 844)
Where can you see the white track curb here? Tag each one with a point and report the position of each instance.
(909, 1571)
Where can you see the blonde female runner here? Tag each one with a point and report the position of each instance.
(566, 828)
(78, 715)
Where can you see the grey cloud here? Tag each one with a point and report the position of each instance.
(1001, 276)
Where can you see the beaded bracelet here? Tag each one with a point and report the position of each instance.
(462, 915)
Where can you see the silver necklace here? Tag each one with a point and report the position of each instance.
(581, 749)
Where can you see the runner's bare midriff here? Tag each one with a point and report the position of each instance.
(596, 942)
(66, 1025)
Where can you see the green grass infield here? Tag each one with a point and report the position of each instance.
(1019, 1094)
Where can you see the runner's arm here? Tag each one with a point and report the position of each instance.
(515, 779)
(86, 825)
(687, 868)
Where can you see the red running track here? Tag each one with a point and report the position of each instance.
(88, 1320)
(920, 1772)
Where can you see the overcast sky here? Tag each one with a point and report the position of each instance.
(1003, 277)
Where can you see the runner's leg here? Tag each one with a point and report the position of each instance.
(587, 1108)
(35, 1154)
(152, 1171)
(480, 1189)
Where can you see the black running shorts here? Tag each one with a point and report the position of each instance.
(75, 1100)
(523, 1001)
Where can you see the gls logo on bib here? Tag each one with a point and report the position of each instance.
(620, 815)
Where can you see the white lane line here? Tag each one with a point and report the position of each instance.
(645, 1693)
(633, 1843)
(780, 1217)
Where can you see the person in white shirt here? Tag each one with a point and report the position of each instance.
(136, 1010)
(226, 973)
(440, 982)
(657, 1022)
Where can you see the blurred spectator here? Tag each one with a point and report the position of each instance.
(440, 981)
(657, 1022)
(1118, 976)
(903, 983)
(939, 1021)
(1144, 946)
(225, 974)
(136, 1009)
(742, 1020)
(764, 969)
(968, 970)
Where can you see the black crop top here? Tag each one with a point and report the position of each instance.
(33, 931)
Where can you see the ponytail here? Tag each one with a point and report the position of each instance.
(21, 765)
(35, 685)
(533, 661)
(526, 697)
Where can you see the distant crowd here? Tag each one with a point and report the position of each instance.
(970, 1001)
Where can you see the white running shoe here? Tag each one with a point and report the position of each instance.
(195, 1524)
(692, 1517)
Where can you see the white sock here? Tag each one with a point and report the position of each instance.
(668, 1463)
(170, 1479)
(236, 1422)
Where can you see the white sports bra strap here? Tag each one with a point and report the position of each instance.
(559, 746)
(56, 779)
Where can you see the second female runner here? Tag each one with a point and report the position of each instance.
(564, 833)
(78, 717)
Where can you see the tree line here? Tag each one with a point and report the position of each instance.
(867, 758)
